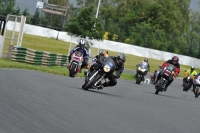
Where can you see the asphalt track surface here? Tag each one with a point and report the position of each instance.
(36, 102)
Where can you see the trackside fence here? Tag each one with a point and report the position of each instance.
(26, 55)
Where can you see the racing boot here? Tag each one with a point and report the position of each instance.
(105, 84)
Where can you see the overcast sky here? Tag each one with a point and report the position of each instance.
(31, 4)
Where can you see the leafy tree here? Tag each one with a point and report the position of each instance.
(17, 11)
(86, 25)
(7, 7)
(194, 34)
(34, 19)
(25, 12)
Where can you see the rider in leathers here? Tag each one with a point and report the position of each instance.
(191, 72)
(173, 61)
(148, 67)
(119, 62)
(83, 49)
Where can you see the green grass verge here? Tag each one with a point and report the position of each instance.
(57, 46)
(6, 63)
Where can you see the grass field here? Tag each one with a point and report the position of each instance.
(57, 46)
(6, 63)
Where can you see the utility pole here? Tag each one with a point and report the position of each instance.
(98, 9)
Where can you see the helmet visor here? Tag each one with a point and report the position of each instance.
(174, 61)
(121, 61)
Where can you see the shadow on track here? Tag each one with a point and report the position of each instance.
(179, 98)
(104, 93)
(98, 92)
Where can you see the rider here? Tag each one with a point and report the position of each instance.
(101, 54)
(148, 66)
(119, 62)
(83, 49)
(173, 61)
(190, 72)
(106, 54)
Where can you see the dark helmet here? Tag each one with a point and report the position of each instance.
(175, 59)
(82, 43)
(101, 53)
(121, 58)
(192, 68)
(146, 60)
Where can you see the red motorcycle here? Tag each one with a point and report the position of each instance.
(75, 63)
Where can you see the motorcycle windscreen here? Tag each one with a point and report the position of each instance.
(143, 65)
(78, 54)
(171, 67)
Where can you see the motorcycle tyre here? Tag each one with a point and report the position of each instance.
(197, 92)
(71, 71)
(91, 83)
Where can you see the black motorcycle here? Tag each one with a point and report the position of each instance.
(187, 83)
(142, 70)
(94, 80)
(166, 74)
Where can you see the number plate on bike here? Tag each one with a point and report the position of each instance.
(167, 72)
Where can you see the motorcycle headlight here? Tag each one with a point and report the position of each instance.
(106, 68)
(139, 68)
(188, 77)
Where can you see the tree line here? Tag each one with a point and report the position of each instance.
(167, 25)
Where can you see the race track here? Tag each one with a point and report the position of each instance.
(36, 102)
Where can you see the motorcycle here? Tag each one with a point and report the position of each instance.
(187, 83)
(167, 74)
(196, 82)
(94, 80)
(75, 63)
(142, 69)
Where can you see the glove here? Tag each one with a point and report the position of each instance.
(71, 52)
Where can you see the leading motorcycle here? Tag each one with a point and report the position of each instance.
(75, 63)
(94, 80)
(166, 74)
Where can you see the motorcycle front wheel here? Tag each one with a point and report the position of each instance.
(138, 78)
(197, 92)
(157, 91)
(158, 87)
(91, 83)
(72, 70)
